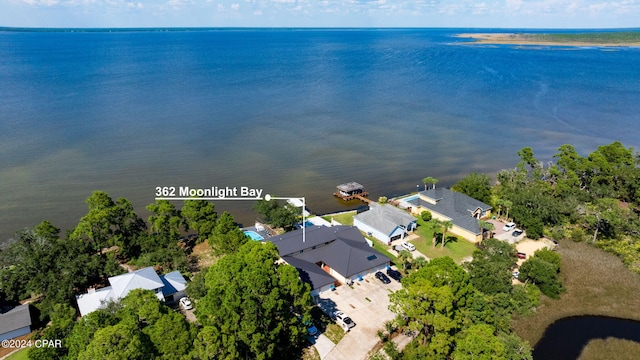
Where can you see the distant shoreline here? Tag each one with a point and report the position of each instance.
(581, 39)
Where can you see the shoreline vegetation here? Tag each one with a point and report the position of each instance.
(604, 39)
(597, 283)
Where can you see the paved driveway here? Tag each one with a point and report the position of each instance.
(367, 304)
(323, 345)
(415, 253)
(500, 234)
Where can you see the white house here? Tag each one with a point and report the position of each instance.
(385, 222)
(121, 285)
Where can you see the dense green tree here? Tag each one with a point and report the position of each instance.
(515, 348)
(252, 304)
(197, 288)
(475, 185)
(527, 158)
(121, 341)
(433, 303)
(109, 223)
(200, 215)
(84, 330)
(172, 336)
(278, 215)
(39, 263)
(426, 216)
(542, 269)
(227, 237)
(490, 269)
(478, 342)
(165, 219)
(138, 325)
(62, 321)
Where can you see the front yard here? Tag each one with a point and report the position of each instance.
(457, 249)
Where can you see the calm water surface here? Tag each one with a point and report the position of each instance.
(566, 338)
(294, 112)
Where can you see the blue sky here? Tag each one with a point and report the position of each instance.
(322, 13)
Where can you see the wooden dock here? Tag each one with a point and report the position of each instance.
(360, 196)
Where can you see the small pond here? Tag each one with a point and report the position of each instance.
(565, 338)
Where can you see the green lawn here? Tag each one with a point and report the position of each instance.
(19, 355)
(383, 249)
(334, 332)
(345, 218)
(456, 249)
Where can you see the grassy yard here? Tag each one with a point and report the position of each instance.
(345, 218)
(384, 249)
(19, 355)
(326, 325)
(334, 332)
(310, 353)
(597, 284)
(457, 249)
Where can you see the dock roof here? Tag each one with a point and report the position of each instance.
(350, 186)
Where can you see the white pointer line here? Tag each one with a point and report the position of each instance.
(208, 198)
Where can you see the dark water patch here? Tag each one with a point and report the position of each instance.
(565, 338)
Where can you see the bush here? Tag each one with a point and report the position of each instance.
(577, 235)
(426, 216)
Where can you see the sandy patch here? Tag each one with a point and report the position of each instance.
(522, 39)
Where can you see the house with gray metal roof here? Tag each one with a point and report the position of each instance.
(462, 210)
(329, 255)
(385, 222)
(121, 285)
(15, 322)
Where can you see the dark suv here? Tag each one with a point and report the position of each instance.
(394, 274)
(382, 277)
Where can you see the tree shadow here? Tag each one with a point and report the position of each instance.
(322, 313)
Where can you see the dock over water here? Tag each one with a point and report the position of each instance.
(351, 191)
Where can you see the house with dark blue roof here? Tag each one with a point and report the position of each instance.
(329, 256)
(446, 205)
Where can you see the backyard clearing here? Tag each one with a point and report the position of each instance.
(529, 247)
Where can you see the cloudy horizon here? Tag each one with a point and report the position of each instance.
(322, 13)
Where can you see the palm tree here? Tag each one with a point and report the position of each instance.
(419, 262)
(435, 223)
(507, 204)
(485, 226)
(429, 180)
(446, 225)
(403, 257)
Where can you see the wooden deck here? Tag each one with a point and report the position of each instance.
(362, 196)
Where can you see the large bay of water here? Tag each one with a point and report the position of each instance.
(294, 112)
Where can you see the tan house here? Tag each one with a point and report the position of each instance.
(446, 205)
